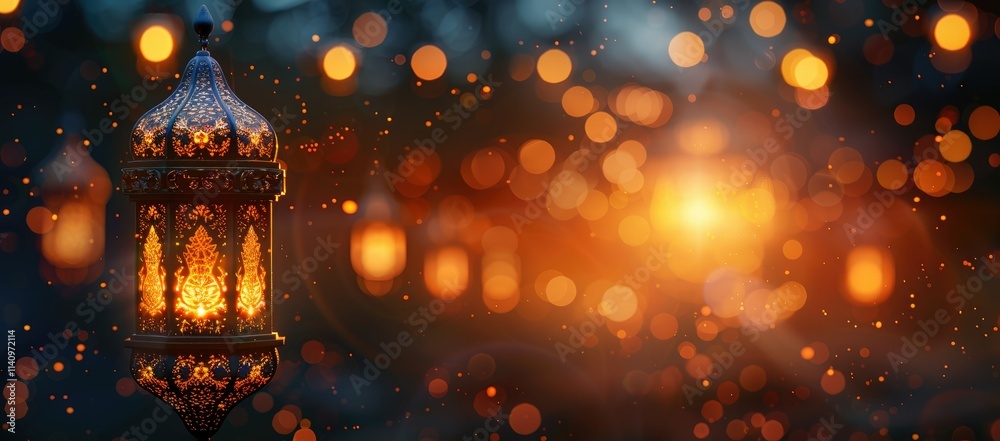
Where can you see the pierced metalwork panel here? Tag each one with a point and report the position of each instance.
(253, 290)
(152, 285)
(200, 235)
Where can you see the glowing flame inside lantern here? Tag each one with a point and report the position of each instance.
(201, 290)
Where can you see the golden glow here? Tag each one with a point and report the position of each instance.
(578, 101)
(802, 69)
(633, 230)
(792, 249)
(156, 44)
(757, 204)
(339, 63)
(250, 280)
(955, 146)
(686, 49)
(536, 156)
(446, 271)
(378, 250)
(554, 66)
(560, 290)
(201, 290)
(152, 276)
(767, 19)
(694, 208)
(892, 174)
(349, 207)
(601, 127)
(199, 137)
(870, 275)
(429, 62)
(619, 303)
(77, 238)
(8, 6)
(703, 136)
(952, 32)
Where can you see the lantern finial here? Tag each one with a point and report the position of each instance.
(203, 25)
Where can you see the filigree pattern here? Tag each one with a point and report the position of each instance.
(152, 276)
(149, 134)
(255, 138)
(250, 280)
(201, 129)
(268, 181)
(151, 220)
(200, 291)
(203, 387)
(202, 119)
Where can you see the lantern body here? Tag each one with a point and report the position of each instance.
(203, 178)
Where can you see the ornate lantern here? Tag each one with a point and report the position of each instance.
(203, 177)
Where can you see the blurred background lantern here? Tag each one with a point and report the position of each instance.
(446, 271)
(204, 178)
(378, 246)
(71, 223)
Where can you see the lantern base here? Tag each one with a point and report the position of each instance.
(201, 384)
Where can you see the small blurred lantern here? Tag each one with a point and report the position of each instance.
(446, 271)
(203, 177)
(75, 189)
(378, 245)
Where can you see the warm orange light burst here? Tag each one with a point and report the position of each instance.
(339, 63)
(952, 32)
(686, 49)
(800, 68)
(429, 62)
(870, 275)
(156, 43)
(767, 19)
(554, 66)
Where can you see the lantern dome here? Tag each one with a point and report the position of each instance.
(203, 118)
